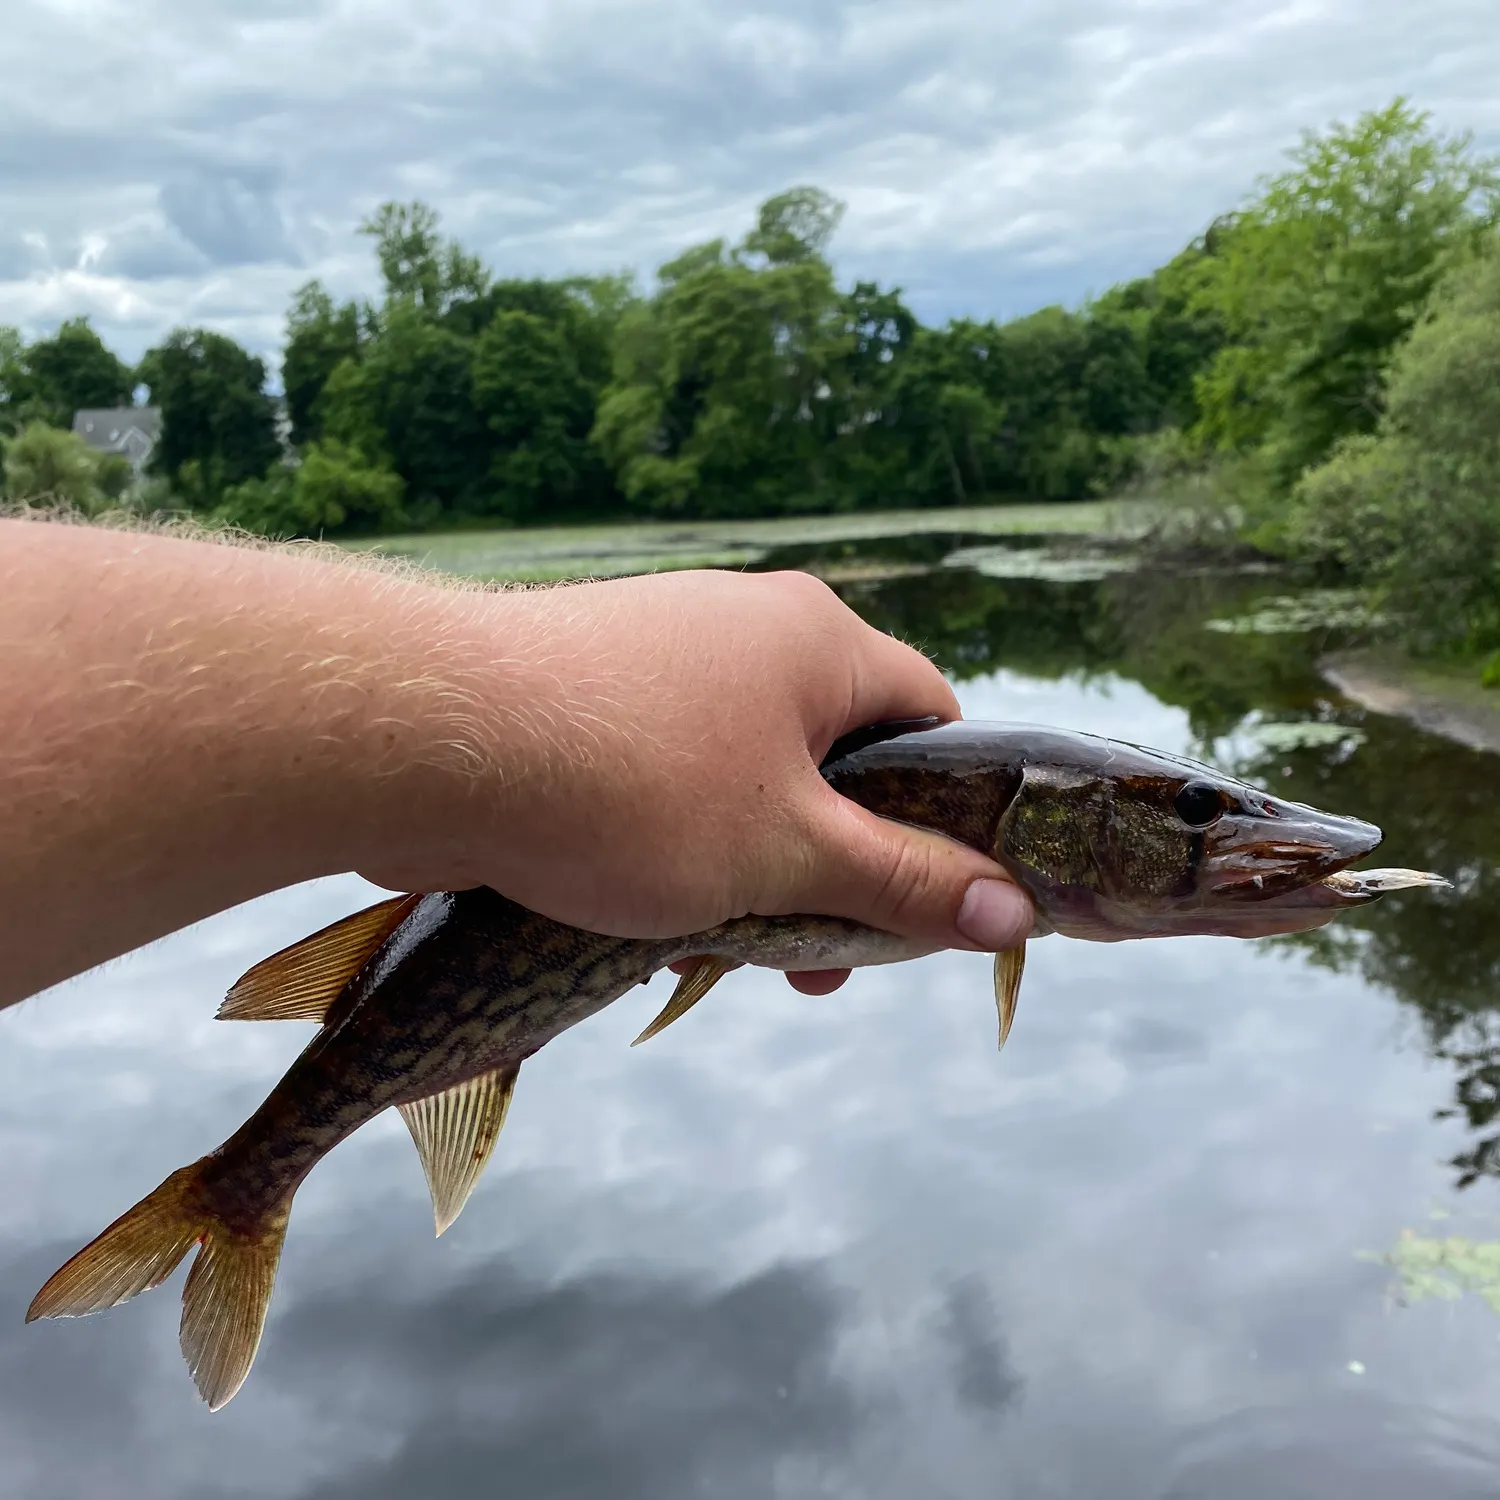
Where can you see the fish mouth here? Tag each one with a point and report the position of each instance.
(1286, 850)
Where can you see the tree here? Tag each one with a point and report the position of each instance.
(723, 397)
(12, 378)
(794, 226)
(45, 465)
(1415, 506)
(418, 265)
(409, 399)
(218, 423)
(320, 334)
(538, 408)
(70, 371)
(1319, 278)
(332, 488)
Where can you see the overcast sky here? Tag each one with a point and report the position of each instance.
(192, 161)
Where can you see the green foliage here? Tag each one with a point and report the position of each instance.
(1443, 1268)
(70, 371)
(218, 423)
(418, 266)
(407, 398)
(537, 405)
(12, 378)
(723, 400)
(1415, 506)
(1319, 278)
(321, 334)
(333, 488)
(47, 466)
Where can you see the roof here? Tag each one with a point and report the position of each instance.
(132, 431)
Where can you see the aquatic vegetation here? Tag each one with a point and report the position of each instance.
(1442, 1268)
(1304, 734)
(547, 554)
(1292, 614)
(1049, 564)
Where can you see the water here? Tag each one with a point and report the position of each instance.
(802, 1247)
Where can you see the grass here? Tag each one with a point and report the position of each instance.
(546, 554)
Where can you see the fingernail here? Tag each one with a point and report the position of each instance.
(995, 914)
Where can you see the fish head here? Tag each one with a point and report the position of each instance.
(1112, 840)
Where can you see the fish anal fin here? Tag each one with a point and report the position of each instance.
(691, 988)
(455, 1132)
(1009, 966)
(301, 982)
(224, 1301)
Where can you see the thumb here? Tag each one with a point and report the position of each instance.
(908, 881)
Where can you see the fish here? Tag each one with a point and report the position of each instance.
(429, 1003)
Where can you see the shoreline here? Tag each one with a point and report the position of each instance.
(1457, 708)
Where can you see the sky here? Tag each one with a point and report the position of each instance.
(171, 162)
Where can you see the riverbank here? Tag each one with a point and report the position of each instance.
(1445, 701)
(556, 553)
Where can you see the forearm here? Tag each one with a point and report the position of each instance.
(187, 726)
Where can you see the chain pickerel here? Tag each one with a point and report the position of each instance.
(431, 1003)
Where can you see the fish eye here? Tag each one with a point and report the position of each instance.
(1198, 804)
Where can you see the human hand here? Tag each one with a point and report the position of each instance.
(659, 772)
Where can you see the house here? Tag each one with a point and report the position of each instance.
(127, 431)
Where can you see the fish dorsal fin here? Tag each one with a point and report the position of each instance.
(455, 1131)
(301, 982)
(691, 988)
(1009, 967)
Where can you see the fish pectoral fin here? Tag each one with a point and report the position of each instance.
(228, 1290)
(301, 982)
(1009, 966)
(691, 988)
(455, 1132)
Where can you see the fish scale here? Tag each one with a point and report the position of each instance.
(430, 1004)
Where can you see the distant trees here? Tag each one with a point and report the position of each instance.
(1415, 506)
(1318, 278)
(218, 423)
(43, 465)
(49, 380)
(1277, 362)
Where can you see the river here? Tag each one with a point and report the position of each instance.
(806, 1247)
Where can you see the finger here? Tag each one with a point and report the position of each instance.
(816, 981)
(893, 681)
(902, 880)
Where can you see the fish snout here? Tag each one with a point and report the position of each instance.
(1283, 849)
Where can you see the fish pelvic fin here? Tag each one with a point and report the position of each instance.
(301, 982)
(691, 988)
(455, 1133)
(227, 1292)
(1009, 966)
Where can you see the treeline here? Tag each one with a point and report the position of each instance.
(1316, 373)
(748, 382)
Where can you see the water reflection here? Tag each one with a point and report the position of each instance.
(1434, 799)
(840, 1246)
(640, 1387)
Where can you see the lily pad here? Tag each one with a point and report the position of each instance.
(1443, 1268)
(1041, 562)
(1292, 614)
(1305, 734)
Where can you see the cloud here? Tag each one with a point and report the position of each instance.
(993, 157)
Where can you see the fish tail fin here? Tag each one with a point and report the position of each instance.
(227, 1292)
